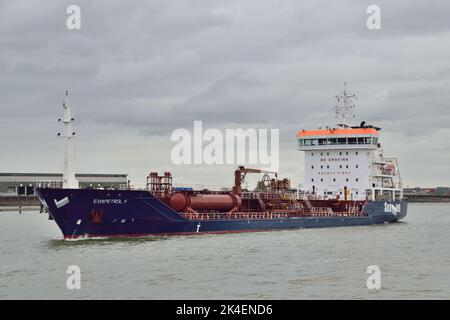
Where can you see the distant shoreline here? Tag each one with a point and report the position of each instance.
(416, 198)
(429, 201)
(23, 209)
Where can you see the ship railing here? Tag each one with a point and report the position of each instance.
(49, 184)
(307, 196)
(159, 194)
(385, 193)
(249, 195)
(200, 187)
(260, 195)
(320, 210)
(185, 187)
(268, 195)
(140, 187)
(274, 214)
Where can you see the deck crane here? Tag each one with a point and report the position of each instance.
(241, 172)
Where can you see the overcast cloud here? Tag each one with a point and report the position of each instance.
(137, 70)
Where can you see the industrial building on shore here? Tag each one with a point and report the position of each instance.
(23, 184)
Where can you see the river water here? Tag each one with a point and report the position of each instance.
(330, 263)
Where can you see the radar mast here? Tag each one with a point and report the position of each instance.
(344, 108)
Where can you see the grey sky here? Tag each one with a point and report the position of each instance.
(137, 70)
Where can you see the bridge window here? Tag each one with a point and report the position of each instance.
(335, 141)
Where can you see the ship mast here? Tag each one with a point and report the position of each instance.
(344, 108)
(69, 180)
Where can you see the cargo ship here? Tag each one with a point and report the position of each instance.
(348, 182)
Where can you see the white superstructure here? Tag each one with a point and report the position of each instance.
(347, 162)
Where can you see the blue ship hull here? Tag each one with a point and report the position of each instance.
(128, 213)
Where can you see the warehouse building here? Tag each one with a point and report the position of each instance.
(23, 184)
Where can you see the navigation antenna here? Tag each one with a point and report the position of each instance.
(69, 180)
(344, 108)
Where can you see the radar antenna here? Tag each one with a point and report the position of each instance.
(344, 108)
